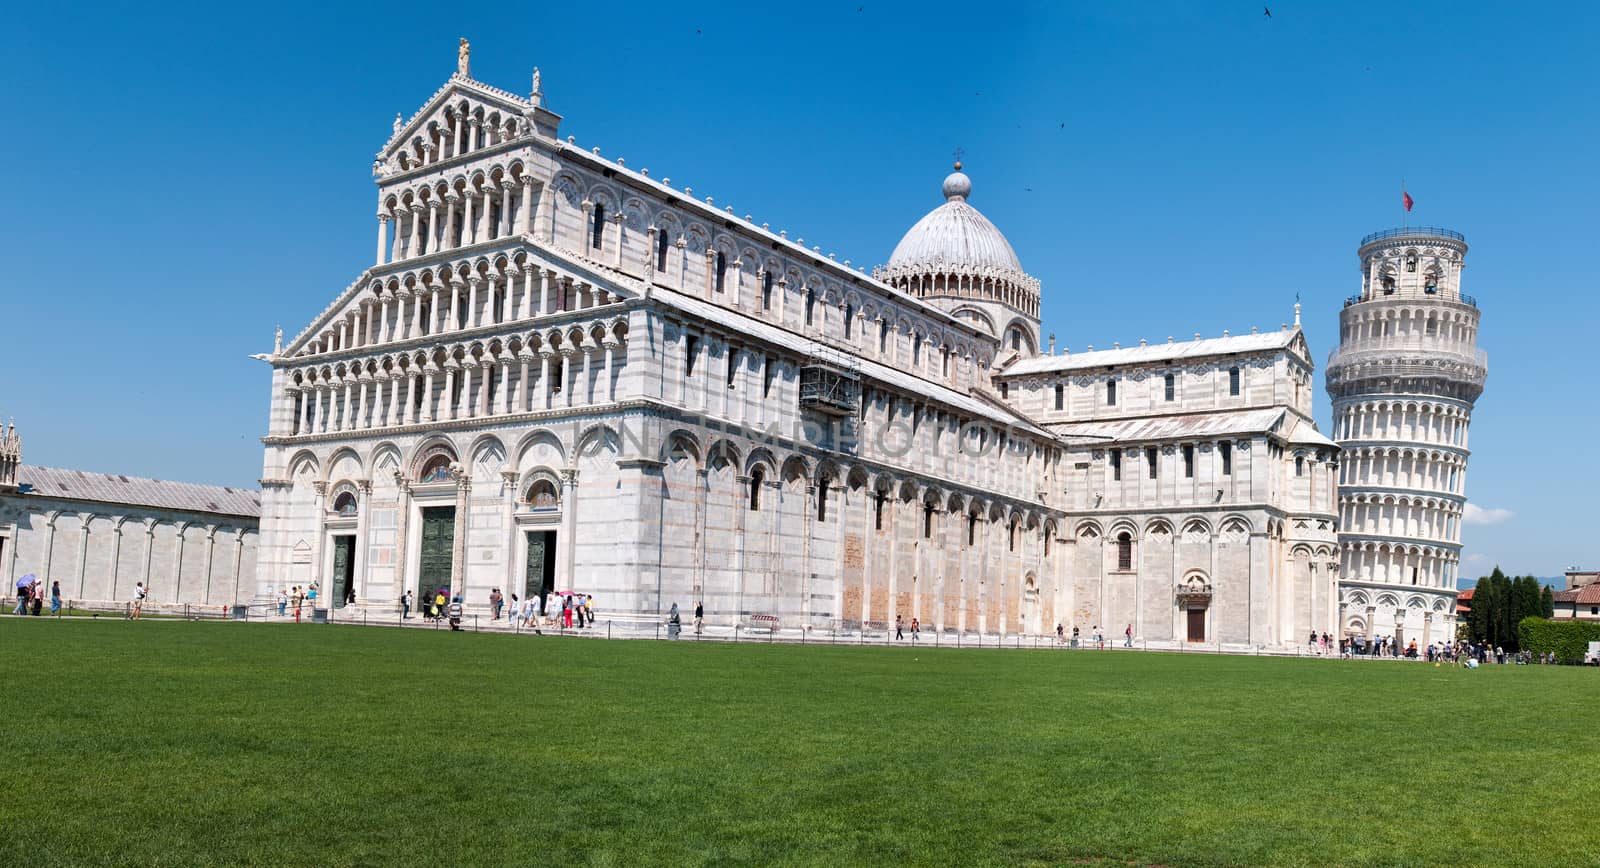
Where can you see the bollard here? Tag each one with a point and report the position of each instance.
(474, 623)
(658, 632)
(608, 629)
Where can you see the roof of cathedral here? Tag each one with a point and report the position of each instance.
(1178, 425)
(155, 493)
(954, 237)
(807, 347)
(1169, 352)
(1306, 434)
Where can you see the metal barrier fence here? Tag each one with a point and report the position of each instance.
(657, 629)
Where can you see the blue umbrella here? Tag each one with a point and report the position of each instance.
(26, 580)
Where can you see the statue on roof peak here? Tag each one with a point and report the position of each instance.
(536, 95)
(398, 123)
(463, 55)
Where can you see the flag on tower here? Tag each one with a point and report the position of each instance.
(1405, 199)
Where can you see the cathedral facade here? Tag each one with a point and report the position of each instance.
(561, 373)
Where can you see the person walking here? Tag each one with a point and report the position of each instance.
(439, 601)
(1061, 634)
(699, 616)
(916, 629)
(55, 598)
(566, 612)
(24, 586)
(139, 593)
(283, 601)
(495, 602)
(674, 622)
(405, 605)
(899, 629)
(299, 601)
(455, 614)
(1074, 636)
(588, 608)
(1127, 641)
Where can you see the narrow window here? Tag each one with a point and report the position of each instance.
(558, 376)
(944, 364)
(822, 500)
(1411, 263)
(1061, 396)
(767, 376)
(1226, 450)
(916, 350)
(1005, 390)
(972, 529)
(1047, 542)
(733, 365)
(757, 476)
(1171, 387)
(766, 290)
(883, 336)
(1188, 461)
(1111, 393)
(661, 249)
(722, 270)
(811, 303)
(1016, 340)
(1233, 381)
(1124, 552)
(849, 318)
(1011, 537)
(877, 510)
(691, 347)
(927, 521)
(1116, 465)
(1150, 457)
(597, 233)
(1299, 465)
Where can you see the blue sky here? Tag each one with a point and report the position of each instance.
(183, 179)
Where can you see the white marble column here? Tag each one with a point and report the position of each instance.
(525, 218)
(473, 319)
(610, 371)
(544, 376)
(383, 237)
(505, 385)
(447, 401)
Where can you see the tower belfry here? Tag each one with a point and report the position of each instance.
(1403, 382)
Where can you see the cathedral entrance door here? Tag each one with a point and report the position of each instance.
(1197, 625)
(438, 552)
(541, 570)
(344, 570)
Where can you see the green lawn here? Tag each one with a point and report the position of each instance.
(175, 742)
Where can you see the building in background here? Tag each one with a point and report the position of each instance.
(1403, 382)
(100, 534)
(561, 373)
(1581, 599)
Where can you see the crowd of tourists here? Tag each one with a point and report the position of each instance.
(31, 596)
(296, 597)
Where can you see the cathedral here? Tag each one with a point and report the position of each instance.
(562, 373)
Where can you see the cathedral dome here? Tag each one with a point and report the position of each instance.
(954, 237)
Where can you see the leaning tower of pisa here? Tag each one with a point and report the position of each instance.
(1403, 381)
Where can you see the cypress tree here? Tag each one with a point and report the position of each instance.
(1547, 602)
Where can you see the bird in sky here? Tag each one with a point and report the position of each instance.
(1267, 11)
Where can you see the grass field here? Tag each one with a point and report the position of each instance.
(183, 742)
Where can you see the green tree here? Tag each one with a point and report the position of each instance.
(1547, 602)
(1485, 617)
